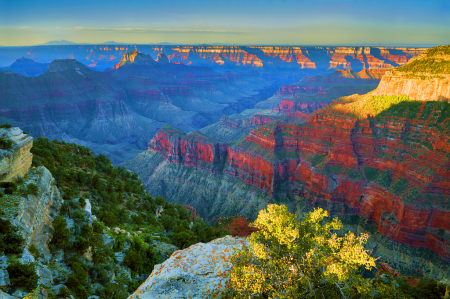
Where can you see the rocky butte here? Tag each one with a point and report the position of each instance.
(380, 161)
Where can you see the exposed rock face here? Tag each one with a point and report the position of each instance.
(425, 78)
(36, 213)
(390, 167)
(314, 92)
(118, 112)
(134, 57)
(226, 57)
(427, 89)
(162, 58)
(200, 271)
(16, 161)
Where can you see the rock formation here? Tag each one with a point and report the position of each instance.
(36, 213)
(16, 161)
(200, 271)
(118, 112)
(27, 67)
(162, 58)
(229, 57)
(379, 158)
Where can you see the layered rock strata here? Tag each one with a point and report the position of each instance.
(356, 58)
(384, 159)
(200, 271)
(16, 161)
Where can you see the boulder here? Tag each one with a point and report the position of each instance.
(196, 272)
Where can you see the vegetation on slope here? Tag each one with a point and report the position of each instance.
(118, 199)
(433, 61)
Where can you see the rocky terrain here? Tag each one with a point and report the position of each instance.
(200, 271)
(225, 57)
(118, 112)
(379, 161)
(53, 218)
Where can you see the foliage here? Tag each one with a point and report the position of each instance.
(5, 126)
(32, 189)
(34, 251)
(6, 144)
(141, 257)
(426, 65)
(426, 288)
(117, 198)
(11, 242)
(23, 275)
(61, 234)
(34, 294)
(290, 259)
(10, 187)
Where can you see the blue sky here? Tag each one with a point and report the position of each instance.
(308, 22)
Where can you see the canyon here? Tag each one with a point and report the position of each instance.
(119, 111)
(379, 161)
(103, 57)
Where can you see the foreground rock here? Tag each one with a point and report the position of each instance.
(196, 272)
(16, 161)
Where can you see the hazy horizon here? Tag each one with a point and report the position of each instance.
(251, 22)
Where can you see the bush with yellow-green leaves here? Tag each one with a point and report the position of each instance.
(306, 259)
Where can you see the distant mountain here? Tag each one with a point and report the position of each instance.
(58, 43)
(27, 67)
(112, 43)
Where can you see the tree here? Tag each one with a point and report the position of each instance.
(61, 234)
(306, 259)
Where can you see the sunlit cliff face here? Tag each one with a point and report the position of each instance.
(355, 58)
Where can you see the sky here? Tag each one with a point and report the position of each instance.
(275, 22)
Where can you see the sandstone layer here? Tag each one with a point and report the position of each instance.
(200, 271)
(16, 161)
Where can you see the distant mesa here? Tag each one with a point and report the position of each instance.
(134, 57)
(162, 58)
(58, 43)
(60, 65)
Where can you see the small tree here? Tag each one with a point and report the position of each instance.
(290, 259)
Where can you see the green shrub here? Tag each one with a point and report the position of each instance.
(23, 275)
(32, 189)
(5, 126)
(6, 144)
(11, 242)
(34, 251)
(10, 187)
(61, 234)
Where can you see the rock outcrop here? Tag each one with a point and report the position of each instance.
(36, 212)
(162, 58)
(16, 161)
(134, 57)
(200, 271)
